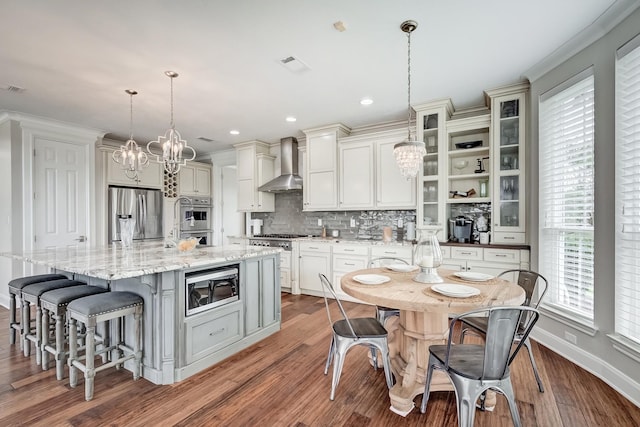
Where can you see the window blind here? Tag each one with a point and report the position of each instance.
(566, 180)
(627, 189)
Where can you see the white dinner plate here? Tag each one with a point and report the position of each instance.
(402, 268)
(473, 276)
(371, 279)
(455, 291)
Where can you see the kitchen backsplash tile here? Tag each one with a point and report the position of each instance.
(289, 218)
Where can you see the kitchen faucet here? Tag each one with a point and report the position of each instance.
(176, 216)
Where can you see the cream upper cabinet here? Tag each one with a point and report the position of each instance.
(508, 111)
(255, 166)
(194, 179)
(320, 183)
(357, 179)
(393, 191)
(149, 177)
(431, 119)
(369, 176)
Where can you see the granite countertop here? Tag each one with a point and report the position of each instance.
(113, 262)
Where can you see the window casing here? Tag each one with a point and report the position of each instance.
(627, 192)
(566, 186)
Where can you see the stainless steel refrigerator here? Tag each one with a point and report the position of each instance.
(143, 205)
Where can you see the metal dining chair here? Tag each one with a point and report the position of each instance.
(383, 313)
(475, 368)
(349, 332)
(535, 286)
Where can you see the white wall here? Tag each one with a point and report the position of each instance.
(594, 350)
(5, 209)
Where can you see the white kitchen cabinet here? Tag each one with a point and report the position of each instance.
(386, 251)
(357, 178)
(320, 188)
(431, 119)
(194, 179)
(345, 259)
(255, 166)
(508, 112)
(314, 258)
(285, 271)
(484, 260)
(149, 177)
(369, 176)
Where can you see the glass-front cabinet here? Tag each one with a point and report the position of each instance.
(431, 122)
(508, 111)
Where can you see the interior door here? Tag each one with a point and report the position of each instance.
(60, 199)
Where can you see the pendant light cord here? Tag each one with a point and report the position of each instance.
(409, 85)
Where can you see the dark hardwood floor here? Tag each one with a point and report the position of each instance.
(280, 382)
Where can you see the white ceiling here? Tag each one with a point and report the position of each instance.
(75, 58)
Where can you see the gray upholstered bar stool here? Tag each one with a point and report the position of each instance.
(15, 290)
(54, 304)
(103, 308)
(31, 295)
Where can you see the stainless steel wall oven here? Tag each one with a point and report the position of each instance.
(207, 289)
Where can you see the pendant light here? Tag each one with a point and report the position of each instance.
(130, 157)
(171, 144)
(409, 154)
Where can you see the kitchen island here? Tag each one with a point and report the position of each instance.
(177, 345)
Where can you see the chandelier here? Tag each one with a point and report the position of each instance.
(171, 144)
(129, 156)
(409, 154)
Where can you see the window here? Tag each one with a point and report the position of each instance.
(627, 219)
(566, 131)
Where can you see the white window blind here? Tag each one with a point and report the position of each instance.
(627, 190)
(566, 131)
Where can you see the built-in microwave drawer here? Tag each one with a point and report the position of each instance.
(466, 252)
(213, 330)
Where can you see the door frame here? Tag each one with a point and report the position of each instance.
(34, 129)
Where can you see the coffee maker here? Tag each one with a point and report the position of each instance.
(460, 229)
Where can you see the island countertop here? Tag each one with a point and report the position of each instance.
(114, 262)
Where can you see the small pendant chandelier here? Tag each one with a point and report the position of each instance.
(171, 144)
(131, 158)
(409, 154)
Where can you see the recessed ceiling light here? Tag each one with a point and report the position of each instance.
(291, 119)
(366, 101)
(234, 132)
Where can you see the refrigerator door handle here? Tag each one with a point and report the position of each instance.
(142, 213)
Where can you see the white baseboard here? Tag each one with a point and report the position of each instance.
(4, 301)
(587, 361)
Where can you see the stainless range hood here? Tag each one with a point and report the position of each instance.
(289, 180)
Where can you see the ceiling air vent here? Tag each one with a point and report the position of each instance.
(294, 64)
(11, 88)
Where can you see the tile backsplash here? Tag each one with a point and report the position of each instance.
(289, 218)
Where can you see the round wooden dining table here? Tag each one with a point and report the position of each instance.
(424, 321)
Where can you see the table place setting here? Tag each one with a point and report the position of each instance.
(371, 279)
(455, 291)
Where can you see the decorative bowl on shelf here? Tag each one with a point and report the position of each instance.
(468, 144)
(460, 164)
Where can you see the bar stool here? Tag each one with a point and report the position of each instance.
(31, 295)
(54, 303)
(15, 289)
(102, 308)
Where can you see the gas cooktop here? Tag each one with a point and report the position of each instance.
(279, 236)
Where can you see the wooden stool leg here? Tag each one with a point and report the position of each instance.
(60, 354)
(137, 344)
(89, 373)
(25, 328)
(38, 334)
(44, 341)
(73, 352)
(12, 318)
(117, 341)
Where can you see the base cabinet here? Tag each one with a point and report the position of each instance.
(345, 260)
(315, 258)
(262, 294)
(213, 330)
(484, 260)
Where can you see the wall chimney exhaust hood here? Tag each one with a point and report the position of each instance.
(289, 180)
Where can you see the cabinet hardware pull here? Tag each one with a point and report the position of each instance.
(509, 238)
(466, 253)
(349, 250)
(500, 255)
(219, 331)
(390, 252)
(349, 263)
